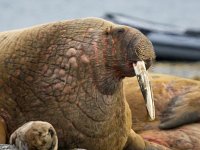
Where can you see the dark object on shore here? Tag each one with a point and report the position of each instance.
(7, 147)
(170, 42)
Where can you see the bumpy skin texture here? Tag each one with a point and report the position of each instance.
(177, 109)
(70, 74)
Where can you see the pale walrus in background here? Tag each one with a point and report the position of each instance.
(177, 103)
(70, 74)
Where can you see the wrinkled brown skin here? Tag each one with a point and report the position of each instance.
(177, 103)
(69, 74)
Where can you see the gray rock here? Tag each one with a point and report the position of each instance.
(7, 147)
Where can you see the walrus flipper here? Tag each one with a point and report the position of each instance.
(181, 110)
(136, 142)
(35, 135)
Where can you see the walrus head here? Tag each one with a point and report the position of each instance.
(120, 48)
(129, 46)
(116, 50)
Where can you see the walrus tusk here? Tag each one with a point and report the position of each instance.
(145, 86)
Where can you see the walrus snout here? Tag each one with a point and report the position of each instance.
(131, 46)
(142, 48)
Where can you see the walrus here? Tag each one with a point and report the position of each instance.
(177, 102)
(69, 74)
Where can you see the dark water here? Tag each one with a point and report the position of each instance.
(23, 13)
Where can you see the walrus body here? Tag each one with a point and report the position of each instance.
(70, 74)
(177, 109)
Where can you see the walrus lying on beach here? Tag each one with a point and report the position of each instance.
(70, 74)
(177, 103)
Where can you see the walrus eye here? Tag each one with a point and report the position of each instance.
(120, 30)
(145, 86)
(108, 30)
(117, 31)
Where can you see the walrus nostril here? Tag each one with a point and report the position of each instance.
(51, 132)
